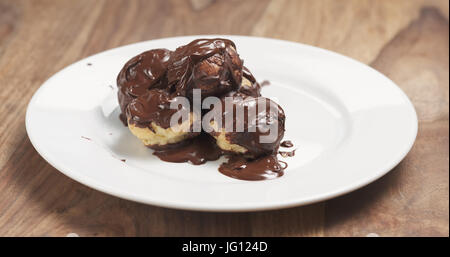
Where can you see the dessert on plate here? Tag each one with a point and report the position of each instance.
(198, 103)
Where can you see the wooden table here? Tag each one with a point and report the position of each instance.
(406, 40)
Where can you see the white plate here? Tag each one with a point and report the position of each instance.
(349, 123)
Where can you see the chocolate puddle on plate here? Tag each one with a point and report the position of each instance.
(198, 151)
(266, 167)
(203, 148)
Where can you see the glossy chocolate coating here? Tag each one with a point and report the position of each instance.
(143, 72)
(211, 65)
(260, 115)
(153, 106)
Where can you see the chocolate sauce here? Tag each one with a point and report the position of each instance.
(266, 167)
(287, 144)
(197, 151)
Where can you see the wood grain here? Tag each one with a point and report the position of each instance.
(405, 39)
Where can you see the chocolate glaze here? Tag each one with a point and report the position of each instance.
(253, 90)
(287, 144)
(197, 151)
(265, 167)
(123, 119)
(255, 126)
(143, 72)
(153, 106)
(248, 75)
(211, 65)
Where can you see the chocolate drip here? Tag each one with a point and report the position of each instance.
(197, 151)
(266, 167)
(154, 106)
(287, 144)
